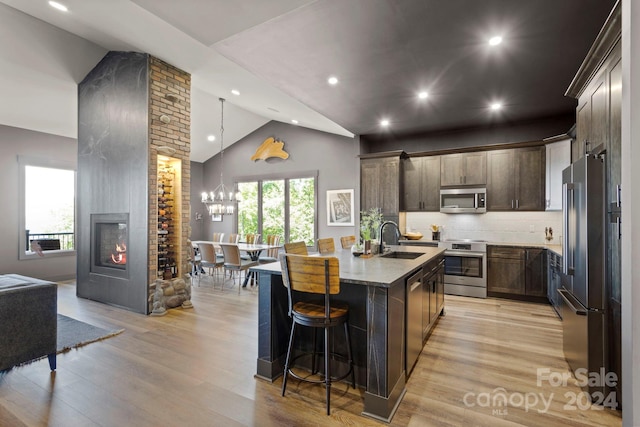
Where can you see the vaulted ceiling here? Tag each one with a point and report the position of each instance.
(279, 54)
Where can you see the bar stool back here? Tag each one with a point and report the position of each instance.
(316, 275)
(326, 246)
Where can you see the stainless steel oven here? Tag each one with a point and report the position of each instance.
(465, 267)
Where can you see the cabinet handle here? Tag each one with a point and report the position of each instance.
(586, 146)
(511, 203)
(465, 179)
(517, 203)
(618, 191)
(619, 224)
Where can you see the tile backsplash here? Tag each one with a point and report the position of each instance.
(499, 227)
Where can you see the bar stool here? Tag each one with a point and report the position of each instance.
(326, 246)
(316, 275)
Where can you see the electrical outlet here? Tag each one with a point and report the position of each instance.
(532, 229)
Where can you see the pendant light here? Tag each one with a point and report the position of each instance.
(221, 201)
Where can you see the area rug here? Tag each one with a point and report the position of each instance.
(74, 333)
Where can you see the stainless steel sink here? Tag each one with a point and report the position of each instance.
(402, 255)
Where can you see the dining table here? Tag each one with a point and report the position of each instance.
(253, 250)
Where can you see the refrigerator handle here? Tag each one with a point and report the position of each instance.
(567, 301)
(567, 255)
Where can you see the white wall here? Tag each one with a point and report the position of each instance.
(40, 67)
(16, 142)
(498, 227)
(630, 213)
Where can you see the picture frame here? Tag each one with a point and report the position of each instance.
(216, 218)
(340, 208)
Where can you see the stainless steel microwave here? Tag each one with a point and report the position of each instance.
(463, 200)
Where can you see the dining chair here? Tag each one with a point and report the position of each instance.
(252, 239)
(320, 276)
(272, 254)
(208, 258)
(347, 241)
(217, 237)
(326, 246)
(233, 263)
(299, 248)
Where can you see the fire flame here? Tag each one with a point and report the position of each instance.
(120, 255)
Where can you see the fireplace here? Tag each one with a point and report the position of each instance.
(109, 242)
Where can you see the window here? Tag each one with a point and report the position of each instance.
(47, 208)
(281, 205)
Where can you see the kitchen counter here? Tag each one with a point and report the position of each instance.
(420, 242)
(552, 247)
(374, 271)
(374, 288)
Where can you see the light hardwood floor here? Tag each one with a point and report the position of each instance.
(195, 368)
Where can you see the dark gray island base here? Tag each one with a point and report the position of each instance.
(376, 290)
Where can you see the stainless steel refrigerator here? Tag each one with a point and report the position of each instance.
(583, 293)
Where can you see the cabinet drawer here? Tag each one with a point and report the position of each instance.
(505, 252)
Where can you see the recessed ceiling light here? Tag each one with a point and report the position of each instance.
(294, 121)
(495, 106)
(235, 92)
(211, 138)
(58, 6)
(495, 40)
(423, 95)
(384, 122)
(332, 80)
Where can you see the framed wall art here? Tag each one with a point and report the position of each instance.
(340, 208)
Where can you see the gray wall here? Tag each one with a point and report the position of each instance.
(535, 130)
(197, 208)
(334, 157)
(16, 142)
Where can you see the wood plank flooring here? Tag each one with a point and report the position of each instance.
(196, 368)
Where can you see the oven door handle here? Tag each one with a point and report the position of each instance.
(468, 254)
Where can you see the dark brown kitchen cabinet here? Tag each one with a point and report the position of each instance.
(421, 177)
(380, 184)
(535, 276)
(591, 118)
(517, 271)
(432, 295)
(505, 270)
(463, 169)
(516, 179)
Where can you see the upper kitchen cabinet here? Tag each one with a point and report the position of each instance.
(463, 169)
(516, 179)
(591, 118)
(421, 176)
(558, 157)
(380, 182)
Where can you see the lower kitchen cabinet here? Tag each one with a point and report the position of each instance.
(535, 277)
(517, 272)
(505, 270)
(432, 296)
(424, 302)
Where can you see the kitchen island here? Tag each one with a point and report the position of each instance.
(376, 291)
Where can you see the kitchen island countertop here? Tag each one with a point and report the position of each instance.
(374, 271)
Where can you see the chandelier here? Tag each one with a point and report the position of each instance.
(221, 201)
